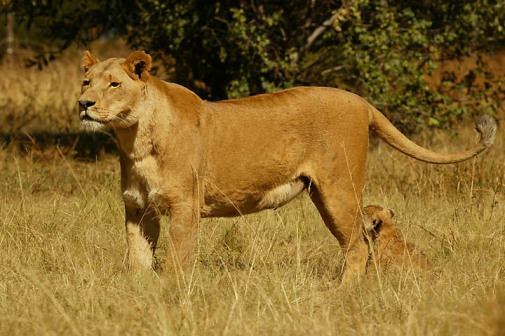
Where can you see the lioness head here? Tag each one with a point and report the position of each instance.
(112, 89)
(386, 243)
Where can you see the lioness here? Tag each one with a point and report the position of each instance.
(190, 158)
(387, 245)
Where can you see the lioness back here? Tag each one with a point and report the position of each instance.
(276, 141)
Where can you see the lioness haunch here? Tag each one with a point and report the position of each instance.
(190, 158)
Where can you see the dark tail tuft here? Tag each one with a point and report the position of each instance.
(486, 126)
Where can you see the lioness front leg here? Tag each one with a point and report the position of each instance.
(182, 235)
(142, 233)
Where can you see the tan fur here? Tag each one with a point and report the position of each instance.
(189, 158)
(387, 245)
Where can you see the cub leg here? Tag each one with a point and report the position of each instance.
(181, 236)
(142, 233)
(342, 216)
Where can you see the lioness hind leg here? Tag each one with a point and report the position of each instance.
(142, 233)
(342, 217)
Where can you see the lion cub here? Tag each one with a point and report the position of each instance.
(386, 244)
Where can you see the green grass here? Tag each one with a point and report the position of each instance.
(63, 249)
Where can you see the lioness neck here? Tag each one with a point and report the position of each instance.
(133, 141)
(163, 108)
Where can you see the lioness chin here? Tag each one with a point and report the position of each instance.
(190, 158)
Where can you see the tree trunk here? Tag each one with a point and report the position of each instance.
(9, 51)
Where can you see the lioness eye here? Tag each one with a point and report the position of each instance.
(114, 84)
(85, 83)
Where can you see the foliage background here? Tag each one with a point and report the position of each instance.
(382, 50)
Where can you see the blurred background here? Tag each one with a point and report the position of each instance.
(424, 64)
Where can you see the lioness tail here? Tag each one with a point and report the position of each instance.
(485, 125)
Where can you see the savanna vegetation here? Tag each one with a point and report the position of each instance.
(62, 244)
(382, 50)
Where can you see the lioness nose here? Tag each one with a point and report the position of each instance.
(86, 103)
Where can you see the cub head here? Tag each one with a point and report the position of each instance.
(386, 243)
(113, 90)
(376, 219)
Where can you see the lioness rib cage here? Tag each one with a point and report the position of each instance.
(189, 158)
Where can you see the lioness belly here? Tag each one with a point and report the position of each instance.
(236, 204)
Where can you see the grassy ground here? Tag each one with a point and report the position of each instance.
(62, 247)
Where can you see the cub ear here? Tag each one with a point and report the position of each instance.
(385, 215)
(137, 65)
(88, 60)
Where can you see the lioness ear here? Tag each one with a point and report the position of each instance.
(88, 60)
(137, 65)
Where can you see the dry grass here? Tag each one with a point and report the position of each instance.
(63, 249)
(37, 100)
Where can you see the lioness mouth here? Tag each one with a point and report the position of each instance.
(86, 117)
